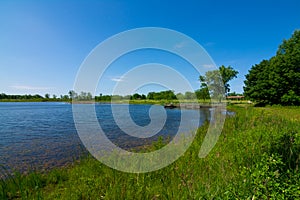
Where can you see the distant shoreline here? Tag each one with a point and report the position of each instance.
(166, 103)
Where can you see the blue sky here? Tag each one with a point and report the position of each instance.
(43, 43)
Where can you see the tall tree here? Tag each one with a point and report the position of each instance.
(277, 80)
(227, 73)
(217, 81)
(72, 94)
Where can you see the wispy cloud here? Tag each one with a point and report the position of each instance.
(27, 87)
(208, 66)
(180, 45)
(117, 79)
(209, 44)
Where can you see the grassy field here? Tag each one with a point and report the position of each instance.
(256, 157)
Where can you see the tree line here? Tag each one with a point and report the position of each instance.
(87, 96)
(162, 95)
(21, 97)
(36, 97)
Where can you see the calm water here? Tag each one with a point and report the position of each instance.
(43, 135)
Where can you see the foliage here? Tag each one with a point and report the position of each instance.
(267, 179)
(234, 94)
(137, 96)
(227, 73)
(202, 93)
(20, 97)
(166, 95)
(72, 94)
(83, 96)
(102, 97)
(189, 95)
(216, 82)
(34, 98)
(277, 80)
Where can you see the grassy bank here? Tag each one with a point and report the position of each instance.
(256, 157)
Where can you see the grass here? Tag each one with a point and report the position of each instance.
(256, 157)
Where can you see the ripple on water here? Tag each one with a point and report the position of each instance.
(43, 135)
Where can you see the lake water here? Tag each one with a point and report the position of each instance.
(43, 135)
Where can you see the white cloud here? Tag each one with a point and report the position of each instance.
(117, 79)
(209, 44)
(208, 66)
(180, 45)
(26, 87)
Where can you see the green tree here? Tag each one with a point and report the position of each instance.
(136, 96)
(163, 95)
(116, 97)
(277, 80)
(180, 96)
(3, 96)
(85, 96)
(143, 96)
(72, 94)
(202, 93)
(127, 97)
(227, 73)
(213, 81)
(150, 95)
(64, 97)
(216, 82)
(89, 96)
(189, 95)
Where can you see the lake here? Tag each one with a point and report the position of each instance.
(42, 135)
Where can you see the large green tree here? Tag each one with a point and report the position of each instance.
(227, 73)
(166, 95)
(202, 93)
(218, 80)
(277, 80)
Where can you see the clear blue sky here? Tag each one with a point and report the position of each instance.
(43, 43)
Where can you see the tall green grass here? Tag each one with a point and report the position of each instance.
(256, 157)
